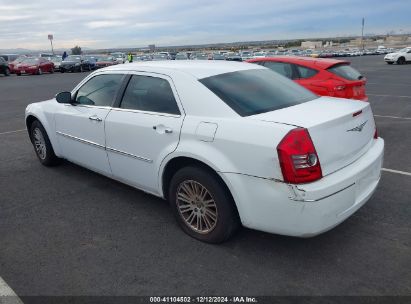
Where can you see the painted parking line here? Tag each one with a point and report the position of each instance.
(382, 95)
(7, 295)
(10, 132)
(393, 117)
(396, 171)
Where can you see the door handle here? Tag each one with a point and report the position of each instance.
(95, 118)
(161, 129)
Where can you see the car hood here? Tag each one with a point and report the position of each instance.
(392, 54)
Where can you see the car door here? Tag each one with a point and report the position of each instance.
(408, 55)
(143, 129)
(80, 125)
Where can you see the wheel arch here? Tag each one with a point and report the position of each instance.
(181, 161)
(31, 118)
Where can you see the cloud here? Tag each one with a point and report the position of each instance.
(104, 23)
(136, 23)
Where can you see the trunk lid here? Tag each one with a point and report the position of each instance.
(342, 130)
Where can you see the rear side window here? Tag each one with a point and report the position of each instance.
(283, 68)
(345, 71)
(257, 91)
(305, 72)
(150, 94)
(100, 90)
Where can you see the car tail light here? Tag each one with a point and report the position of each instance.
(376, 133)
(298, 158)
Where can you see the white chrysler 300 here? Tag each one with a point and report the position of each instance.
(225, 143)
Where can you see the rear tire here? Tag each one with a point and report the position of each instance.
(42, 145)
(401, 60)
(202, 205)
(7, 72)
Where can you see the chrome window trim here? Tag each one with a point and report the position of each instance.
(88, 106)
(146, 112)
(91, 143)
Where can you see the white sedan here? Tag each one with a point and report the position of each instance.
(225, 143)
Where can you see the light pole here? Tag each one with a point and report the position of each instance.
(362, 34)
(50, 37)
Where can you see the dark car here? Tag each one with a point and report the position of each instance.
(75, 63)
(4, 67)
(93, 60)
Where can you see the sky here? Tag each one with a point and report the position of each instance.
(138, 23)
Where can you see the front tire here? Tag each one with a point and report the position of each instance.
(202, 205)
(42, 145)
(39, 72)
(7, 72)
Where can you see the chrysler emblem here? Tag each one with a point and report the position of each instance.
(358, 128)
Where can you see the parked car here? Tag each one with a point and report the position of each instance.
(14, 63)
(119, 57)
(34, 66)
(57, 62)
(246, 55)
(400, 57)
(306, 164)
(259, 55)
(105, 61)
(325, 77)
(92, 59)
(4, 67)
(181, 56)
(199, 56)
(159, 57)
(233, 57)
(75, 63)
(9, 57)
(217, 56)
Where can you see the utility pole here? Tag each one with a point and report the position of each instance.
(362, 33)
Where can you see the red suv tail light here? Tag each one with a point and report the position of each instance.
(298, 158)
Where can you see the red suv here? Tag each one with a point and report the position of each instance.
(325, 77)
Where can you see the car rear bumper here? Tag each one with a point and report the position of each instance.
(308, 209)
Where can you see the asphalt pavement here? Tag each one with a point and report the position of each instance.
(69, 231)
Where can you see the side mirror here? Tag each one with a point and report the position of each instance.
(63, 97)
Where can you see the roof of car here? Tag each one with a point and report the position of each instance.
(322, 63)
(198, 69)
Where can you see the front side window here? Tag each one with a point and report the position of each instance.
(100, 90)
(152, 94)
(282, 68)
(305, 72)
(257, 91)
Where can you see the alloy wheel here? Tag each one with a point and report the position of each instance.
(196, 206)
(39, 143)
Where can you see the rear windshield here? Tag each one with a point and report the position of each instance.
(345, 71)
(257, 91)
